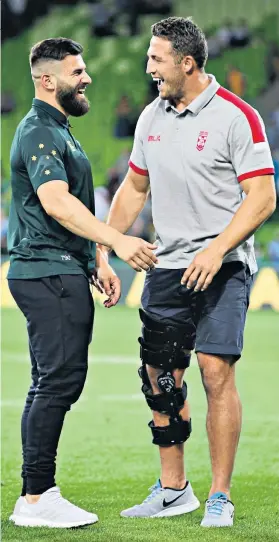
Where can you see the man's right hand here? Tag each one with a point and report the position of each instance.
(136, 252)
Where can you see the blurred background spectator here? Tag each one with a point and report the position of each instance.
(272, 62)
(273, 129)
(241, 34)
(126, 118)
(102, 202)
(7, 102)
(273, 248)
(214, 45)
(224, 34)
(102, 20)
(235, 81)
(136, 8)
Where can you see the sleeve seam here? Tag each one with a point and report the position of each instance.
(232, 123)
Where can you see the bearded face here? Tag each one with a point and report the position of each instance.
(72, 99)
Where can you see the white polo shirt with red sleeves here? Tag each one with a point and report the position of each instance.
(196, 160)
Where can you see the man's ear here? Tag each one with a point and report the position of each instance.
(47, 82)
(188, 64)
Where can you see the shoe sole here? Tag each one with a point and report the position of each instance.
(173, 511)
(216, 525)
(36, 522)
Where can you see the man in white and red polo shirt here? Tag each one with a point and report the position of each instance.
(203, 153)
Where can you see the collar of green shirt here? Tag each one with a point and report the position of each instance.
(200, 101)
(52, 111)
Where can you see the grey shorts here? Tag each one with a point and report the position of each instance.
(215, 317)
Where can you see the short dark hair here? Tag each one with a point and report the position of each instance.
(54, 49)
(185, 36)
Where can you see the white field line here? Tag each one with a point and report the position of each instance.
(18, 404)
(11, 357)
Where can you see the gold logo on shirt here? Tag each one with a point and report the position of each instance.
(71, 145)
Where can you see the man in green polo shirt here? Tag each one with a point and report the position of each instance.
(51, 239)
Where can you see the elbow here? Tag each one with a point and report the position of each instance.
(270, 206)
(267, 202)
(55, 210)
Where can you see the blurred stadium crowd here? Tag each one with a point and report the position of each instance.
(124, 18)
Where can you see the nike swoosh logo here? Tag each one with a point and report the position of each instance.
(171, 502)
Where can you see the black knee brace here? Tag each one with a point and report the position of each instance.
(163, 347)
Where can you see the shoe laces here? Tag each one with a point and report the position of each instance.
(154, 491)
(58, 499)
(215, 507)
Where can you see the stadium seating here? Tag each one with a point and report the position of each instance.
(117, 67)
(210, 12)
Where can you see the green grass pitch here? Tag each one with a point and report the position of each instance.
(106, 459)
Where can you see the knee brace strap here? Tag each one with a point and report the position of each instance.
(166, 403)
(174, 433)
(163, 359)
(160, 334)
(163, 345)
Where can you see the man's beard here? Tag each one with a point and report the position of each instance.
(68, 99)
(174, 91)
(173, 95)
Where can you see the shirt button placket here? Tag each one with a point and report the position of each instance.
(176, 127)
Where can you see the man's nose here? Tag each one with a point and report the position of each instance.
(150, 67)
(86, 79)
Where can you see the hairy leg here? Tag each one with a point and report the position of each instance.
(223, 418)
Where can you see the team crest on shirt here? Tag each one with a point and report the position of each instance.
(202, 140)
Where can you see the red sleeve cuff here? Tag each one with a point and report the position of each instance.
(138, 169)
(256, 173)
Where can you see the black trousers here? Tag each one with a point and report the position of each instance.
(59, 311)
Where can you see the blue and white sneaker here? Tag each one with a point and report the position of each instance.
(164, 502)
(219, 511)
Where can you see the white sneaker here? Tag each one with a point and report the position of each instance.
(162, 502)
(51, 510)
(219, 511)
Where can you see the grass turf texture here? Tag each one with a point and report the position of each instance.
(106, 459)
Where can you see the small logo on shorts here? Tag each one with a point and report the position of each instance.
(65, 257)
(154, 138)
(201, 140)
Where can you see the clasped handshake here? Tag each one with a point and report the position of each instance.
(132, 250)
(136, 252)
(140, 256)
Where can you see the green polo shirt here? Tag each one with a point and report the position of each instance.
(43, 150)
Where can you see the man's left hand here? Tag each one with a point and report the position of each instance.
(106, 281)
(203, 268)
